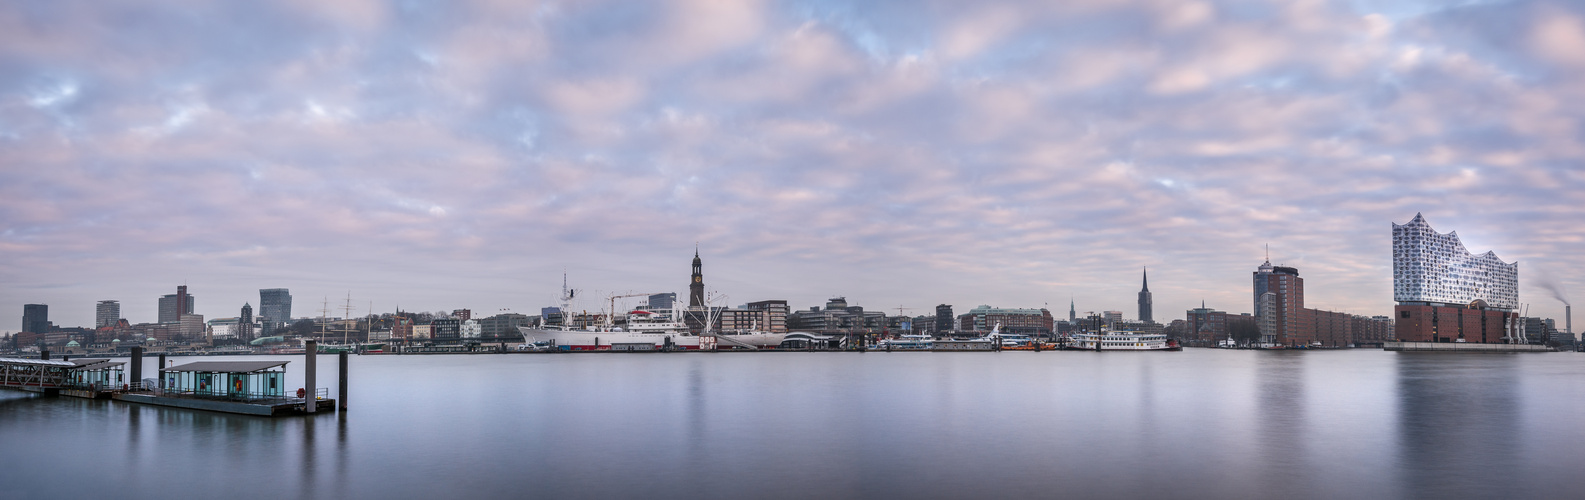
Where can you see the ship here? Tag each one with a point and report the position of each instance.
(1122, 340)
(906, 343)
(643, 330)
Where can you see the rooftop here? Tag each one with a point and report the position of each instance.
(227, 366)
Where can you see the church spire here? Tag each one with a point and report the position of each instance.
(1145, 302)
(696, 287)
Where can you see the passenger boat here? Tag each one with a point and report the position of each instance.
(989, 342)
(906, 343)
(1122, 340)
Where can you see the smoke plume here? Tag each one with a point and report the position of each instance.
(1555, 288)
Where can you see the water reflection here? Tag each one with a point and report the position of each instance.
(341, 454)
(1458, 419)
(1197, 424)
(1282, 422)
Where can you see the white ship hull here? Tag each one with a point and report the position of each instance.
(756, 339)
(1122, 341)
(585, 340)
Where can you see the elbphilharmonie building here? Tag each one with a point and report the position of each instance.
(1436, 268)
(1447, 294)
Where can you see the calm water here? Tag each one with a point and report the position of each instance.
(1195, 424)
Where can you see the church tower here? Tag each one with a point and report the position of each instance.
(696, 288)
(1145, 303)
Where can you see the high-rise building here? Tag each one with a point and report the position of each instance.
(662, 301)
(106, 313)
(1145, 304)
(245, 322)
(1447, 294)
(1279, 297)
(944, 318)
(172, 307)
(36, 318)
(275, 307)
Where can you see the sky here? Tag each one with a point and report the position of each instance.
(445, 155)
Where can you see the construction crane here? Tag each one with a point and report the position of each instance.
(610, 318)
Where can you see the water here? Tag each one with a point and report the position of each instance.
(1194, 424)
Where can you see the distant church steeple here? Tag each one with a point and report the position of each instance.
(696, 288)
(1145, 302)
(1073, 314)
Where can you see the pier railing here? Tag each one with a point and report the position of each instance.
(246, 396)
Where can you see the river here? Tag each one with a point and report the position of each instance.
(1200, 423)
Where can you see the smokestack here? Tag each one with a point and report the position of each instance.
(1568, 319)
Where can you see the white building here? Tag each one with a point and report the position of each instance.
(223, 328)
(471, 329)
(1434, 268)
(421, 332)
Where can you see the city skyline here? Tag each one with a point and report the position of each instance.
(897, 154)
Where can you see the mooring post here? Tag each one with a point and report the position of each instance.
(137, 365)
(160, 372)
(341, 395)
(310, 354)
(44, 355)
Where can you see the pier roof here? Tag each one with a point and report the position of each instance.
(98, 364)
(226, 366)
(36, 362)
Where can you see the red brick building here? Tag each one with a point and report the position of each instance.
(1432, 323)
(1279, 304)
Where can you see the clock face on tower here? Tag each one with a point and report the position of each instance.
(697, 279)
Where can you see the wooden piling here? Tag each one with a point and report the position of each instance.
(341, 394)
(137, 365)
(310, 355)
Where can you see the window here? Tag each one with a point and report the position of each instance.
(1403, 314)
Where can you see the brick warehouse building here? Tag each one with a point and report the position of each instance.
(1427, 323)
(1447, 294)
(1038, 322)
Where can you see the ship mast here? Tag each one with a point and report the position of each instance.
(346, 314)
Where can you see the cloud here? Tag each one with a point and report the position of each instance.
(914, 153)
